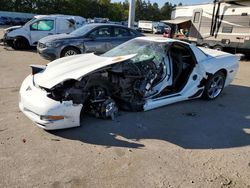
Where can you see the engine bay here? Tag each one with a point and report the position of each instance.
(124, 85)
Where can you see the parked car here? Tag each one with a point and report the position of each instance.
(95, 37)
(5, 20)
(17, 21)
(21, 37)
(160, 29)
(2, 21)
(139, 75)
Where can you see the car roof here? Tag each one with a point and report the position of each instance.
(108, 24)
(53, 16)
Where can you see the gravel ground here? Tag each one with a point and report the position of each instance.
(188, 144)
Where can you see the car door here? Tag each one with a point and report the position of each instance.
(120, 35)
(187, 74)
(99, 40)
(40, 29)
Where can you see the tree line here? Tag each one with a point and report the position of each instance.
(145, 10)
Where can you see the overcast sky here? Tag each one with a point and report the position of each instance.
(161, 2)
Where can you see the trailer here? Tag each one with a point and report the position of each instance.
(222, 25)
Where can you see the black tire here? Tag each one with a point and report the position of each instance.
(218, 47)
(20, 43)
(213, 90)
(69, 51)
(205, 46)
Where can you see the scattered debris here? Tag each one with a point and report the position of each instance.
(191, 114)
(55, 139)
(24, 140)
(224, 181)
(130, 150)
(3, 129)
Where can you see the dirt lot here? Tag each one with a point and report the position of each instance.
(189, 144)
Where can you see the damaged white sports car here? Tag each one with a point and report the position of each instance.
(139, 75)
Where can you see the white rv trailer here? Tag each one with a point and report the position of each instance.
(220, 25)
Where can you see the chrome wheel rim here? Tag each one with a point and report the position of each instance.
(70, 52)
(216, 86)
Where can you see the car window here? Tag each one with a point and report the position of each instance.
(43, 25)
(183, 52)
(121, 32)
(101, 32)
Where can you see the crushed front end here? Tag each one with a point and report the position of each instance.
(45, 112)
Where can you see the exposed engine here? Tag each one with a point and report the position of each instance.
(135, 82)
(125, 85)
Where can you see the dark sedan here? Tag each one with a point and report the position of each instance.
(97, 38)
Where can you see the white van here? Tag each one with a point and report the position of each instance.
(20, 37)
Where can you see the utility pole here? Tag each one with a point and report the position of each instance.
(131, 18)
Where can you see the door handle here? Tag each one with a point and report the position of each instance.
(50, 33)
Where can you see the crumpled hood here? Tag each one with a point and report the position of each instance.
(62, 36)
(12, 28)
(73, 67)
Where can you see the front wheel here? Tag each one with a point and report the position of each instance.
(20, 43)
(69, 52)
(214, 86)
(218, 47)
(205, 46)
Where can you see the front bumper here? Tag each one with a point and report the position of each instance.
(7, 41)
(34, 103)
(48, 53)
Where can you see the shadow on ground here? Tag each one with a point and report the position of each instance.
(195, 124)
(30, 49)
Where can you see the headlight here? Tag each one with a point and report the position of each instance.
(53, 44)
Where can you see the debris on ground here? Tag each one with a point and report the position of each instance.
(55, 139)
(191, 114)
(1, 130)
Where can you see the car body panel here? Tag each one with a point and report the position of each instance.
(34, 103)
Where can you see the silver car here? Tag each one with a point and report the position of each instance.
(97, 38)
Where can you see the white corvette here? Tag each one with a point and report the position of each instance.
(139, 75)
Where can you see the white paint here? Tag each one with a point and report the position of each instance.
(34, 35)
(34, 101)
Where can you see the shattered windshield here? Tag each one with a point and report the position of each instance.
(143, 49)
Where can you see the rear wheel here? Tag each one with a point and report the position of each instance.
(214, 86)
(205, 46)
(218, 47)
(69, 51)
(20, 43)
